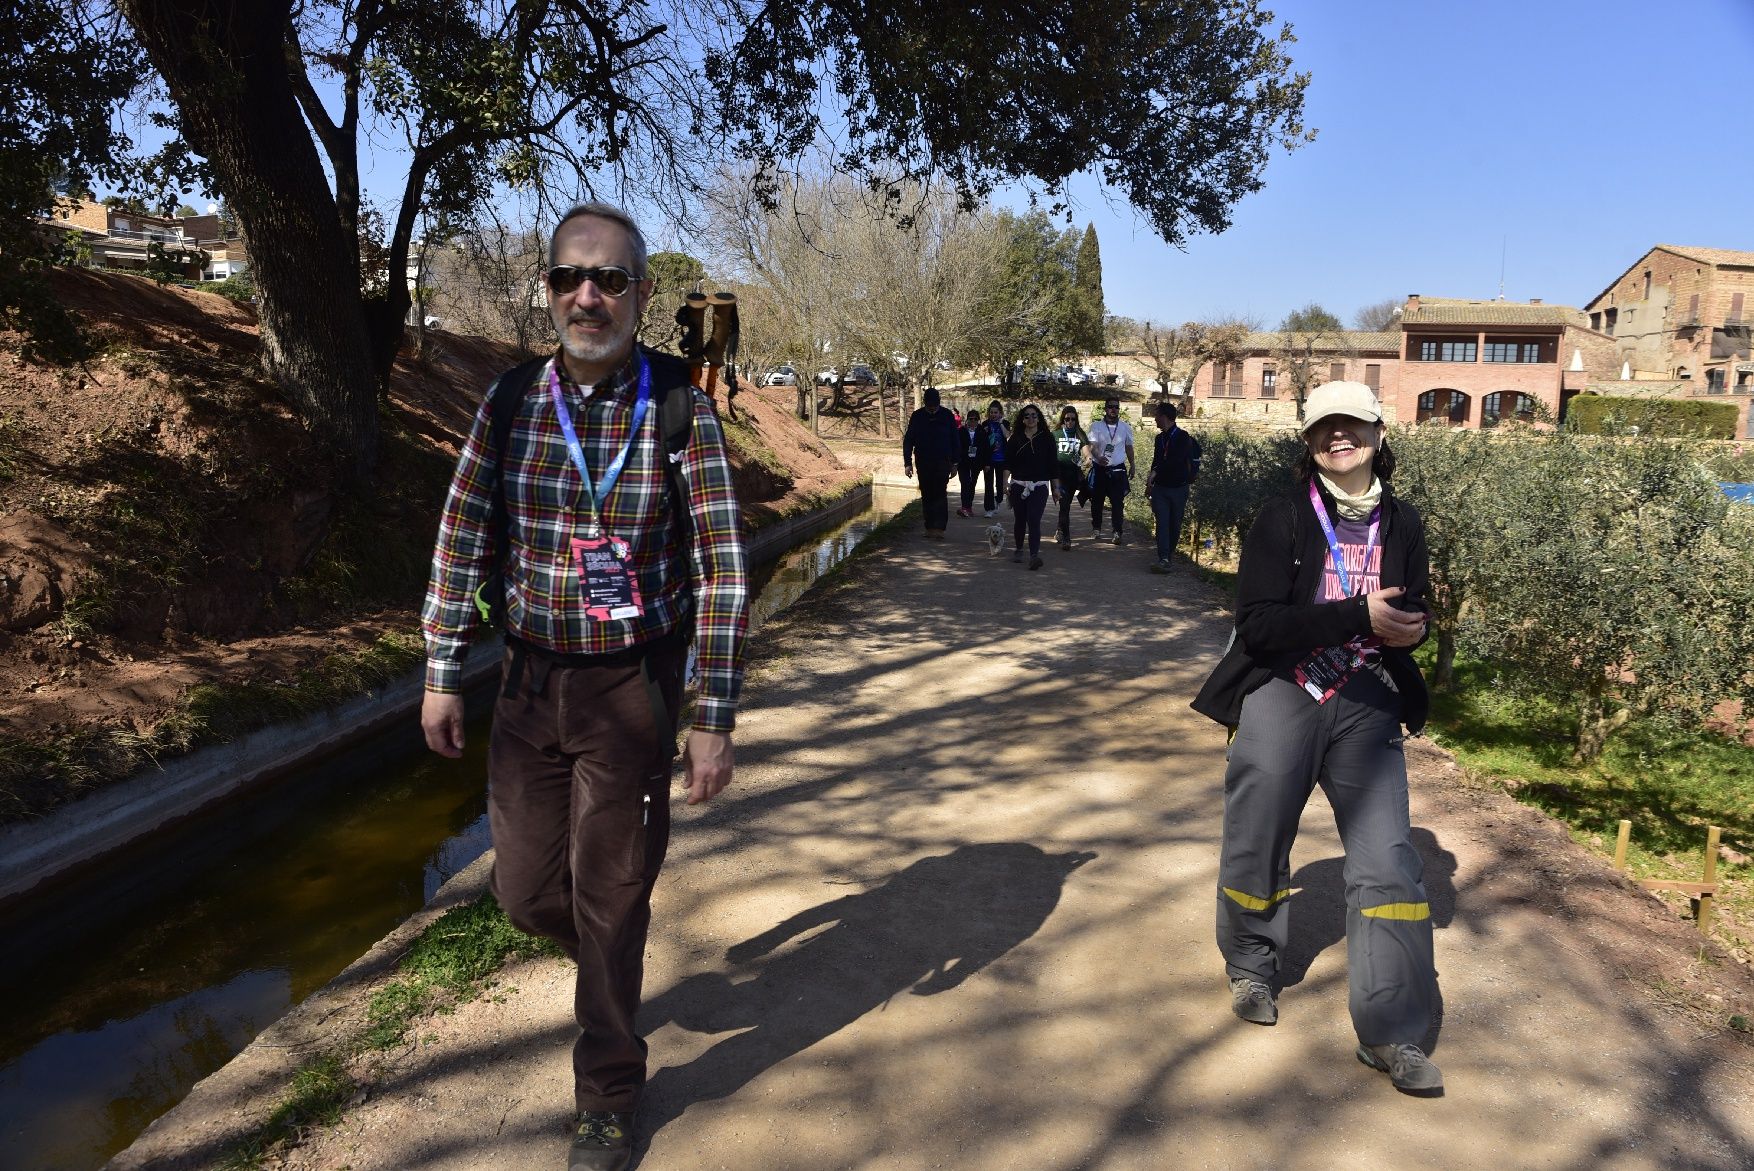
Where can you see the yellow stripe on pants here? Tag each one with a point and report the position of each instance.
(1405, 912)
(1254, 904)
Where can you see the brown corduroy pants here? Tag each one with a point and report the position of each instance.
(578, 800)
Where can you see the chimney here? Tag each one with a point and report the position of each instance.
(1412, 300)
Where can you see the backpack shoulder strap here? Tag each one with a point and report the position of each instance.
(504, 398)
(675, 396)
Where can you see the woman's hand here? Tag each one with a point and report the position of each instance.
(1396, 628)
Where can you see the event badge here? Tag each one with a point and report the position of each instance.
(1326, 671)
(611, 591)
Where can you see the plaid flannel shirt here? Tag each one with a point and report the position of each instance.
(545, 502)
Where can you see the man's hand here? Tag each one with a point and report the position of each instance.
(706, 764)
(441, 719)
(1396, 628)
(908, 472)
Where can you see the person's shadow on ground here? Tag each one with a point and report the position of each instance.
(924, 931)
(1318, 911)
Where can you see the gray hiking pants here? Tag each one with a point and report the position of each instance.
(1285, 745)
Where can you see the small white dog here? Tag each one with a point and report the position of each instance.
(995, 539)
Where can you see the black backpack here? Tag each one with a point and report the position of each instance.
(675, 395)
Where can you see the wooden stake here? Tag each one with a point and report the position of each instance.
(1620, 846)
(1709, 877)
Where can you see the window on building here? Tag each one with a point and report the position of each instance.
(1373, 377)
(1610, 319)
(1745, 381)
(1596, 322)
(1507, 404)
(1735, 307)
(1439, 350)
(1714, 380)
(1518, 351)
(1269, 382)
(1336, 372)
(1647, 284)
(1443, 406)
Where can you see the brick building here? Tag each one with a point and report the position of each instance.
(1684, 317)
(119, 238)
(1458, 362)
(1260, 385)
(1479, 363)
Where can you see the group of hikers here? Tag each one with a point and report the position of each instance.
(592, 515)
(1026, 463)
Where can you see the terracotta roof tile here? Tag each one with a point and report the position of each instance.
(1711, 255)
(1446, 311)
(1358, 340)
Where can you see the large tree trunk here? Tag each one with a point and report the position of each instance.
(225, 67)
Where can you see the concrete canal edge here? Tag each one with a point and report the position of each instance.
(79, 835)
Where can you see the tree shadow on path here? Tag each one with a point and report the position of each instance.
(924, 931)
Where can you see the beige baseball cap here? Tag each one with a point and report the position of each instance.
(1351, 399)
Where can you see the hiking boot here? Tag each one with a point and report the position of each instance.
(1409, 1070)
(1253, 1001)
(1160, 567)
(1035, 562)
(1017, 556)
(602, 1140)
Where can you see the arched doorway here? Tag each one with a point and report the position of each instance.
(1507, 404)
(1443, 406)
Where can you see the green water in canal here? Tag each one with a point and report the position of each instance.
(124, 989)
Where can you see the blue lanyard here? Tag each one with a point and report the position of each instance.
(1321, 511)
(600, 490)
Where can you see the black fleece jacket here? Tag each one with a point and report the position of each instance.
(1278, 621)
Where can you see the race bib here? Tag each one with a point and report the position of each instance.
(605, 579)
(1326, 671)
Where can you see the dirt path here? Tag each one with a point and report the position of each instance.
(957, 912)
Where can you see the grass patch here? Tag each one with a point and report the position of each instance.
(1671, 785)
(449, 964)
(40, 774)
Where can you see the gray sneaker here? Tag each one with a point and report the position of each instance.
(1017, 556)
(1120, 538)
(1253, 1001)
(1160, 567)
(1409, 1070)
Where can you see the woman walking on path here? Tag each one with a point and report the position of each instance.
(969, 460)
(1034, 475)
(995, 438)
(1175, 465)
(1073, 445)
(1316, 685)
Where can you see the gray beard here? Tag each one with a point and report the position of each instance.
(603, 349)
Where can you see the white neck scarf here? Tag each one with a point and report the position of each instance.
(1354, 507)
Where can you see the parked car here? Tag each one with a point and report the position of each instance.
(781, 376)
(827, 377)
(861, 376)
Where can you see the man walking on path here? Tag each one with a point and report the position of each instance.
(613, 547)
(1175, 464)
(1111, 467)
(930, 442)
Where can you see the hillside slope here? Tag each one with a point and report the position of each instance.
(175, 565)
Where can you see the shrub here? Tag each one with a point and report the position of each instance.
(1660, 418)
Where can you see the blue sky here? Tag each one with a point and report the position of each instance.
(1576, 135)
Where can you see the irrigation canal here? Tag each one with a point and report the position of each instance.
(125, 988)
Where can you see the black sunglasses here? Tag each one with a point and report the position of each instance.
(611, 280)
